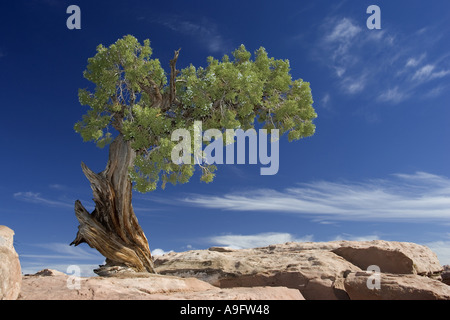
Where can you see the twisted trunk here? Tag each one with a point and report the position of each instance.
(112, 228)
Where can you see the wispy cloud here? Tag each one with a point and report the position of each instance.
(380, 65)
(393, 95)
(35, 197)
(350, 237)
(238, 241)
(202, 30)
(159, 252)
(436, 91)
(60, 202)
(354, 84)
(325, 101)
(256, 240)
(442, 250)
(402, 197)
(341, 48)
(343, 32)
(338, 42)
(86, 270)
(414, 62)
(428, 72)
(56, 250)
(423, 73)
(59, 256)
(57, 186)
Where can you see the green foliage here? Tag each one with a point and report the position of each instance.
(226, 94)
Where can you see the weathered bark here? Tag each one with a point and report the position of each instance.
(112, 228)
(173, 74)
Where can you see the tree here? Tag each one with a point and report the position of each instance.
(135, 101)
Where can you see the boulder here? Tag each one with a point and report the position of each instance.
(421, 259)
(10, 271)
(317, 269)
(395, 287)
(51, 285)
(391, 257)
(317, 274)
(48, 273)
(446, 274)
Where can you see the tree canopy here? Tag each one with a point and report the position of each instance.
(135, 97)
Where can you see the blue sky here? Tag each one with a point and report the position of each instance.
(377, 167)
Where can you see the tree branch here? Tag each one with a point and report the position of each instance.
(173, 74)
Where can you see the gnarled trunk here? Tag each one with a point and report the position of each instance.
(112, 228)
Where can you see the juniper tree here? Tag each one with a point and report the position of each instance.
(134, 106)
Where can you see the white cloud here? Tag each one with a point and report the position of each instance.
(57, 186)
(413, 62)
(427, 73)
(437, 91)
(325, 101)
(350, 237)
(55, 250)
(337, 44)
(343, 49)
(340, 71)
(86, 270)
(35, 197)
(393, 95)
(354, 85)
(59, 256)
(343, 31)
(159, 252)
(372, 63)
(423, 73)
(402, 197)
(440, 74)
(442, 250)
(256, 240)
(202, 30)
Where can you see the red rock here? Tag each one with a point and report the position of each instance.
(54, 286)
(395, 287)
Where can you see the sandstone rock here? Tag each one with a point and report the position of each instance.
(293, 270)
(396, 287)
(242, 293)
(391, 257)
(446, 274)
(424, 261)
(6, 237)
(313, 272)
(49, 272)
(317, 269)
(43, 286)
(10, 271)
